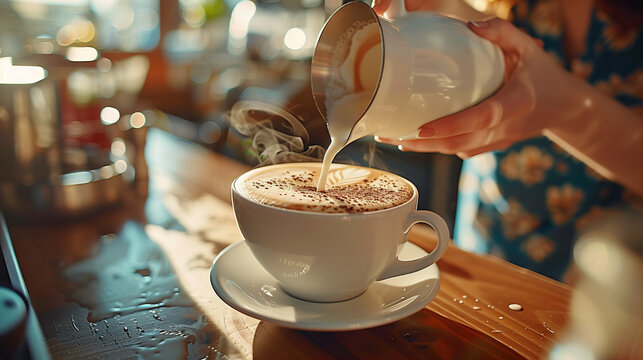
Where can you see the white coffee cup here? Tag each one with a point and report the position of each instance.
(329, 257)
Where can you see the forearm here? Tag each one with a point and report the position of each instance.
(602, 133)
(459, 9)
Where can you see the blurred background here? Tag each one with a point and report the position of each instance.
(81, 80)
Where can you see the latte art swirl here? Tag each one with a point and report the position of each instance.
(347, 176)
(351, 189)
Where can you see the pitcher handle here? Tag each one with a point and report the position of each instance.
(401, 267)
(396, 9)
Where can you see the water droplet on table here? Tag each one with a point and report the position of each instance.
(167, 347)
(547, 328)
(73, 323)
(477, 308)
(56, 327)
(515, 307)
(143, 281)
(411, 336)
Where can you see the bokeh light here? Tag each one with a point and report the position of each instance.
(104, 65)
(120, 166)
(81, 54)
(125, 17)
(194, 16)
(600, 259)
(240, 18)
(118, 147)
(10, 74)
(77, 31)
(137, 120)
(106, 172)
(109, 115)
(571, 351)
(295, 38)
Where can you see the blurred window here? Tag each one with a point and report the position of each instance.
(50, 26)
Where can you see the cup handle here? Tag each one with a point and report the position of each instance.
(400, 267)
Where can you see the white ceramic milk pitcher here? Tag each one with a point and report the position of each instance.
(425, 66)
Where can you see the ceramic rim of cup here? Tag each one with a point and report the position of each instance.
(414, 196)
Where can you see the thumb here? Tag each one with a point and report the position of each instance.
(503, 34)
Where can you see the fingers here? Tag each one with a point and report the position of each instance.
(513, 101)
(450, 145)
(540, 43)
(464, 146)
(482, 116)
(515, 43)
(384, 140)
(493, 124)
(500, 145)
(502, 33)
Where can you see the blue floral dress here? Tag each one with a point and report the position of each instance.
(527, 203)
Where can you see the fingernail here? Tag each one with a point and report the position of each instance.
(479, 24)
(381, 139)
(426, 132)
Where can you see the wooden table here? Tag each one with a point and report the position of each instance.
(133, 281)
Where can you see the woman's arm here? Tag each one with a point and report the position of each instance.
(602, 133)
(540, 97)
(455, 8)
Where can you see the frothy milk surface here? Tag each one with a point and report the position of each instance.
(350, 189)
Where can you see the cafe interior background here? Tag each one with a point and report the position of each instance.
(78, 76)
(83, 81)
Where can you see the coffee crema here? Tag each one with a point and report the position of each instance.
(350, 189)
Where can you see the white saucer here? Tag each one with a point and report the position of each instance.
(240, 281)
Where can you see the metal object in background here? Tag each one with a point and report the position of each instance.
(29, 342)
(41, 177)
(13, 313)
(99, 183)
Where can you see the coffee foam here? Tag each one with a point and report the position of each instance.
(351, 189)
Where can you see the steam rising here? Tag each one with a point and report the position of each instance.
(277, 135)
